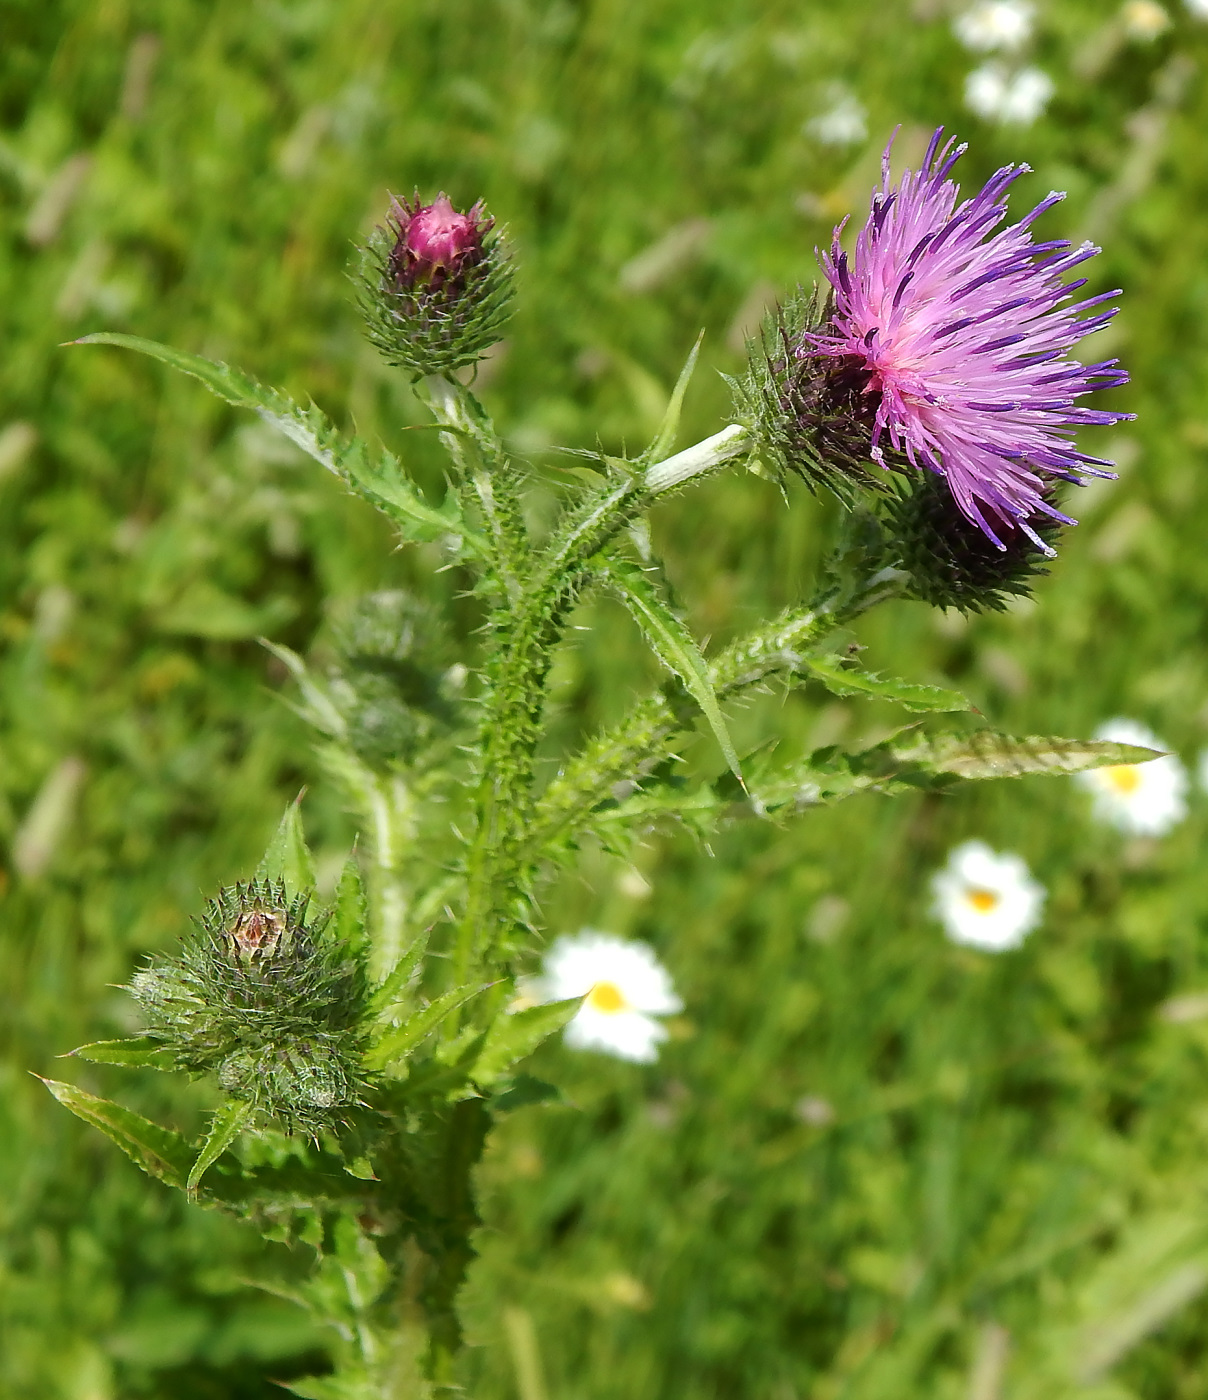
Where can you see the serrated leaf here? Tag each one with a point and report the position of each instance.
(351, 910)
(397, 1043)
(673, 644)
(317, 708)
(664, 439)
(375, 474)
(525, 1089)
(515, 1035)
(392, 989)
(139, 1052)
(988, 754)
(355, 1385)
(843, 681)
(160, 1152)
(288, 856)
(293, 1185)
(228, 1122)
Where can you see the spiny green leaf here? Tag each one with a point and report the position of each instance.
(159, 1151)
(228, 1122)
(351, 908)
(392, 989)
(139, 1052)
(840, 680)
(987, 754)
(355, 1384)
(517, 1034)
(664, 439)
(396, 1043)
(317, 708)
(377, 476)
(288, 856)
(673, 644)
(526, 1089)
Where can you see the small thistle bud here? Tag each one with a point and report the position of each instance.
(950, 560)
(807, 414)
(261, 998)
(435, 285)
(390, 680)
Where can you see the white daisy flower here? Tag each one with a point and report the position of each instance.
(844, 123)
(1141, 799)
(986, 899)
(1012, 98)
(1199, 8)
(1144, 19)
(995, 24)
(625, 988)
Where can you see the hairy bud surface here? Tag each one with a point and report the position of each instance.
(949, 559)
(268, 1003)
(435, 285)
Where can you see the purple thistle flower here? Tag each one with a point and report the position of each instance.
(963, 329)
(435, 243)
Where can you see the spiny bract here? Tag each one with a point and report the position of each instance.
(268, 1003)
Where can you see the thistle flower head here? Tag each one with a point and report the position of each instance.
(435, 285)
(961, 326)
(434, 243)
(260, 997)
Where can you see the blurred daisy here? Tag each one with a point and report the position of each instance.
(1013, 98)
(986, 899)
(1141, 799)
(995, 24)
(1144, 19)
(844, 123)
(624, 985)
(1199, 8)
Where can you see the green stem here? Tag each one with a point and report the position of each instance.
(490, 474)
(496, 862)
(631, 750)
(699, 460)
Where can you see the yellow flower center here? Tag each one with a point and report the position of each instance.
(984, 901)
(607, 997)
(1124, 777)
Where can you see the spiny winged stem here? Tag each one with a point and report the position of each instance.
(518, 674)
(487, 470)
(632, 749)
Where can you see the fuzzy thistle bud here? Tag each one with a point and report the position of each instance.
(391, 680)
(950, 561)
(261, 998)
(807, 414)
(435, 285)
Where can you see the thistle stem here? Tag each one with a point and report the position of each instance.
(701, 459)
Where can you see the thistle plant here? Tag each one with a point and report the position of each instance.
(359, 1051)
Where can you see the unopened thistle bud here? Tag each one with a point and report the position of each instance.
(268, 1003)
(435, 285)
(950, 561)
(390, 681)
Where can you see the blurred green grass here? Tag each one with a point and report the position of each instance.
(868, 1165)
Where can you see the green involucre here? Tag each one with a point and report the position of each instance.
(269, 1004)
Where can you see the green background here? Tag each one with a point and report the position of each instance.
(868, 1164)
